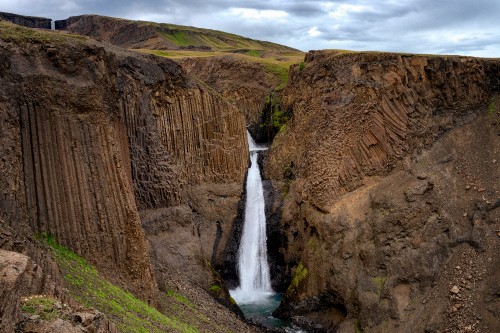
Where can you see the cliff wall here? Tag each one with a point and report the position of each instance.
(366, 114)
(244, 84)
(95, 134)
(27, 21)
(386, 169)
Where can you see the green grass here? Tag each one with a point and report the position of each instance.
(254, 53)
(130, 314)
(14, 33)
(179, 38)
(41, 305)
(276, 63)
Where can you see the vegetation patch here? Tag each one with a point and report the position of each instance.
(47, 307)
(19, 34)
(300, 274)
(379, 283)
(491, 108)
(124, 309)
(254, 53)
(181, 299)
(357, 328)
(215, 288)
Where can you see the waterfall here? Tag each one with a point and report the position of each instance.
(255, 281)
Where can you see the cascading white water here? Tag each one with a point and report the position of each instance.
(255, 281)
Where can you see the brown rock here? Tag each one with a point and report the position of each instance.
(356, 143)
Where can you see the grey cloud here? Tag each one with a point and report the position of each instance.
(406, 25)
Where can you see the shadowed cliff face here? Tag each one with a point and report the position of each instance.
(72, 157)
(93, 135)
(388, 168)
(27, 21)
(244, 84)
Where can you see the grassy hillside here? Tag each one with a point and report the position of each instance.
(180, 42)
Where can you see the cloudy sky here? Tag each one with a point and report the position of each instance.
(469, 27)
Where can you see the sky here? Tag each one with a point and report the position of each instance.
(466, 27)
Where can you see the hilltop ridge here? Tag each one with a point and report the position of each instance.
(163, 36)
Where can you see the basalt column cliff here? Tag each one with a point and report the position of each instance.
(98, 143)
(389, 169)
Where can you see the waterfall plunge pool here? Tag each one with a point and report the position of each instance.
(255, 296)
(259, 308)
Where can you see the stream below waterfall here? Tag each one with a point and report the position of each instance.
(255, 296)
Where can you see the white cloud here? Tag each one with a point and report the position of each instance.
(314, 32)
(256, 14)
(343, 10)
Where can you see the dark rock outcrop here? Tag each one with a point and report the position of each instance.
(388, 166)
(27, 21)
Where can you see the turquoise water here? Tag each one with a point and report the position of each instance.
(261, 312)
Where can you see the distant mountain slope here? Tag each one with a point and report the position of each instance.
(162, 36)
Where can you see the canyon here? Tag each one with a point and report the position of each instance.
(381, 179)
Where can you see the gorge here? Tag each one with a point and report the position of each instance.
(126, 170)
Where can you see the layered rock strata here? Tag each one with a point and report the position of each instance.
(388, 171)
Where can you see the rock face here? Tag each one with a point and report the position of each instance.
(18, 275)
(388, 187)
(122, 33)
(27, 21)
(92, 136)
(244, 84)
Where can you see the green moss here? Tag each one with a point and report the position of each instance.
(357, 328)
(379, 283)
(302, 65)
(300, 274)
(313, 243)
(44, 306)
(288, 177)
(124, 309)
(215, 288)
(491, 108)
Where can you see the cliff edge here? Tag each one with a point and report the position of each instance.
(388, 169)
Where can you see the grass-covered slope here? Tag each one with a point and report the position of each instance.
(128, 313)
(141, 34)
